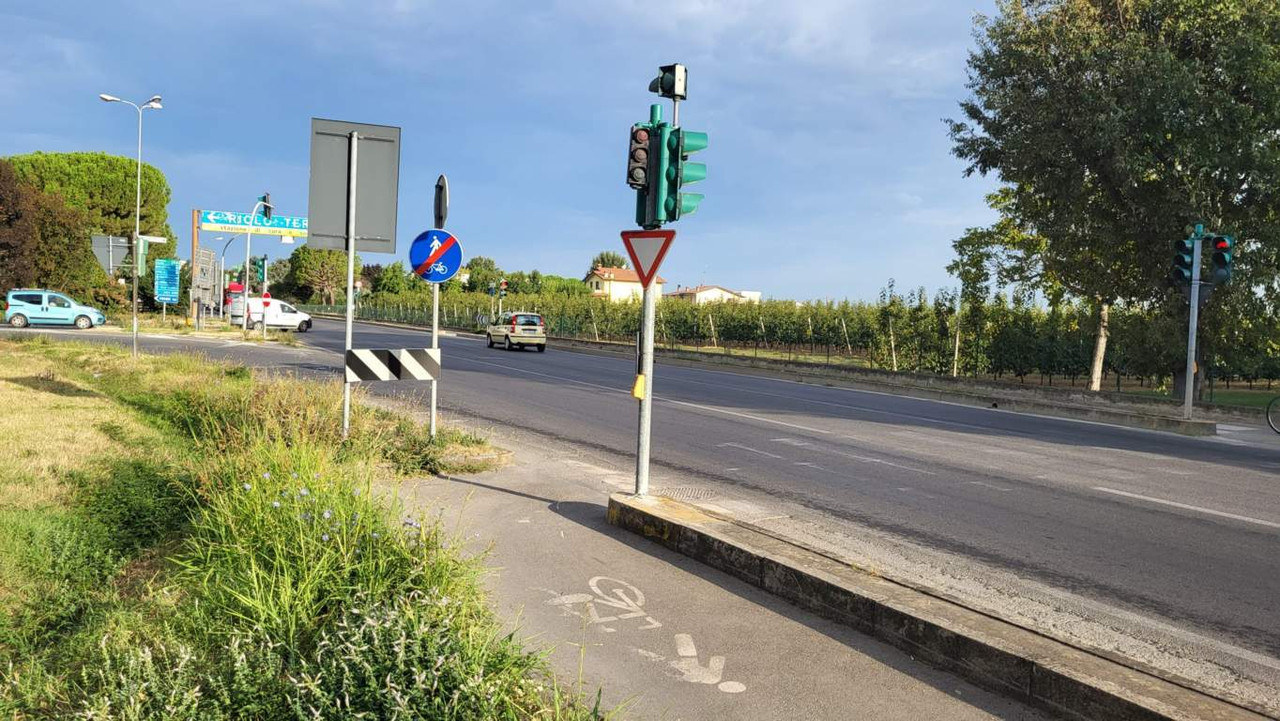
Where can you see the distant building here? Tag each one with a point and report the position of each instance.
(714, 293)
(618, 284)
(462, 276)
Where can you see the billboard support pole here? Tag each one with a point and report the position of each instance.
(353, 151)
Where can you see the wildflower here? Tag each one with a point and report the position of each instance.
(293, 475)
(284, 493)
(305, 515)
(246, 486)
(267, 475)
(304, 492)
(374, 534)
(355, 492)
(327, 514)
(324, 537)
(275, 504)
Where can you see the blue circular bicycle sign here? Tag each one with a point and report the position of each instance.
(435, 256)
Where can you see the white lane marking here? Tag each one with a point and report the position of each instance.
(791, 442)
(739, 446)
(988, 485)
(1188, 507)
(881, 461)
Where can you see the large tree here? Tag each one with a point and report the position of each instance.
(321, 273)
(1115, 125)
(483, 271)
(104, 187)
(43, 243)
(608, 259)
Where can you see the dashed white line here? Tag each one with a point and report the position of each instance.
(739, 446)
(1188, 507)
(988, 485)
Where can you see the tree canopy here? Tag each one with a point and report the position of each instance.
(608, 259)
(44, 243)
(104, 187)
(1114, 127)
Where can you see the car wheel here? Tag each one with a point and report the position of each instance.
(253, 325)
(488, 339)
(507, 344)
(542, 347)
(83, 322)
(18, 321)
(302, 327)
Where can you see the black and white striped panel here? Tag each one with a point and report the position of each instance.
(408, 364)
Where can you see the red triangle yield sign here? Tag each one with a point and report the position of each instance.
(647, 248)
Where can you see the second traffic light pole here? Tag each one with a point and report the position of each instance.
(1189, 381)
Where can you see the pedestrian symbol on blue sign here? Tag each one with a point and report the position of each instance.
(435, 256)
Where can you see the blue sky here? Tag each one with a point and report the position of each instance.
(829, 166)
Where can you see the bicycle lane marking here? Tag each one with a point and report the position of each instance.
(624, 602)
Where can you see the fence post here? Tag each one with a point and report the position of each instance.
(847, 344)
(711, 320)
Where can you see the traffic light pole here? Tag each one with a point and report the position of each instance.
(1189, 381)
(646, 399)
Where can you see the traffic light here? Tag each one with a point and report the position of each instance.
(265, 199)
(675, 171)
(638, 158)
(1182, 260)
(1222, 257)
(262, 269)
(672, 82)
(502, 289)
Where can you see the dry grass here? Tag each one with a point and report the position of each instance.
(52, 425)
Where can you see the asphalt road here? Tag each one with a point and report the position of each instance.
(1085, 507)
(1181, 530)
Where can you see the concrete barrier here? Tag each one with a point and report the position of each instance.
(990, 652)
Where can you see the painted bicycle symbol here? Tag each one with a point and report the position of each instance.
(621, 601)
(439, 268)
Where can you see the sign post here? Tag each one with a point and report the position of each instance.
(435, 256)
(647, 248)
(341, 182)
(441, 213)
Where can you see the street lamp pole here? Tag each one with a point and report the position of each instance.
(222, 275)
(152, 104)
(248, 241)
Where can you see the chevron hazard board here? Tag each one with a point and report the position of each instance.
(407, 364)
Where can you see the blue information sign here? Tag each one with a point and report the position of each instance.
(435, 256)
(167, 281)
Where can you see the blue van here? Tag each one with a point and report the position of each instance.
(29, 306)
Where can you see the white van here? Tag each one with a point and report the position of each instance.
(280, 315)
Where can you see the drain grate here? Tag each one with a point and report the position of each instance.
(685, 493)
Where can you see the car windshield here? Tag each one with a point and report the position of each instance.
(527, 320)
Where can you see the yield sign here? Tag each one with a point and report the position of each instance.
(647, 248)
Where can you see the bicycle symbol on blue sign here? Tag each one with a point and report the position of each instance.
(435, 256)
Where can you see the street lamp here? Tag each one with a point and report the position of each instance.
(222, 273)
(152, 104)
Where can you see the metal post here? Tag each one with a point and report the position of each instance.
(435, 343)
(137, 236)
(264, 295)
(248, 242)
(646, 402)
(1190, 382)
(352, 153)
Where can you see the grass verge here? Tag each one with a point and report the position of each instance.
(193, 541)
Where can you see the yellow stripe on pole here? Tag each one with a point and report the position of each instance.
(638, 389)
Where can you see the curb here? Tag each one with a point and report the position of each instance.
(992, 653)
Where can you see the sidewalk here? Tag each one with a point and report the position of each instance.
(668, 637)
